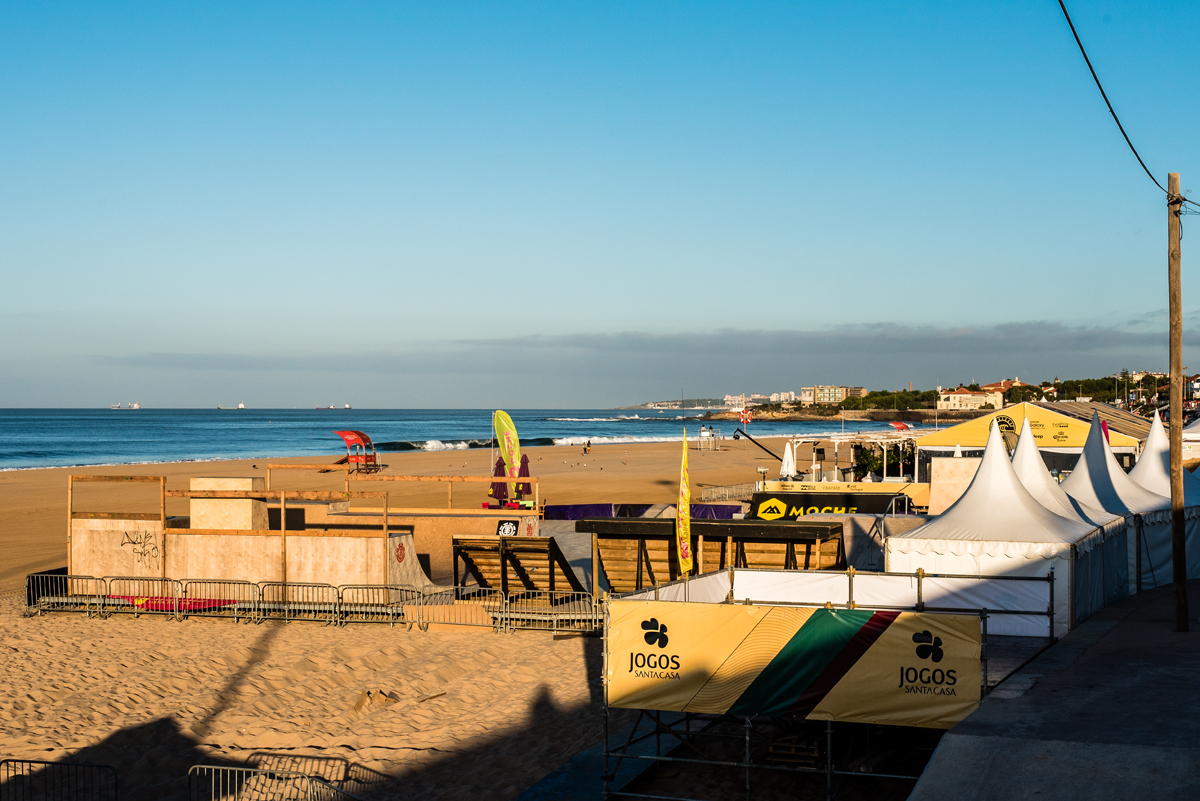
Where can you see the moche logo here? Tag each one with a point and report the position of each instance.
(657, 634)
(928, 646)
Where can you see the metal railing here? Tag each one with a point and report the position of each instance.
(243, 601)
(218, 598)
(213, 783)
(370, 603)
(552, 610)
(38, 780)
(463, 606)
(45, 592)
(303, 601)
(141, 595)
(729, 492)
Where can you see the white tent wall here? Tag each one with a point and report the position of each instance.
(1153, 546)
(988, 558)
(710, 588)
(1100, 574)
(880, 591)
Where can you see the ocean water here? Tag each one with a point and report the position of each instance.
(70, 437)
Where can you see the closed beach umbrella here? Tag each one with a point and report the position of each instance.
(499, 490)
(788, 468)
(524, 488)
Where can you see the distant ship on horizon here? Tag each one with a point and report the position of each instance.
(230, 408)
(127, 406)
(331, 406)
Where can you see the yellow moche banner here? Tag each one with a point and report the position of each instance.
(860, 665)
(509, 444)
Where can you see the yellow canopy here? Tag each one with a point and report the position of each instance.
(1050, 430)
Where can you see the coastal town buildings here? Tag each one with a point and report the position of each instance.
(963, 398)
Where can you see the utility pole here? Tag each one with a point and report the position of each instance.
(1178, 543)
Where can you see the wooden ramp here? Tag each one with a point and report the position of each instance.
(529, 564)
(635, 553)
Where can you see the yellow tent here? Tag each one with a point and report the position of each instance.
(1051, 430)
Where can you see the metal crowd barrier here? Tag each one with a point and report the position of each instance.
(47, 592)
(287, 601)
(371, 603)
(213, 783)
(38, 780)
(219, 598)
(552, 611)
(244, 601)
(463, 606)
(141, 595)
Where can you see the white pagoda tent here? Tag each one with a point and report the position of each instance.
(1099, 481)
(1153, 470)
(999, 528)
(1031, 469)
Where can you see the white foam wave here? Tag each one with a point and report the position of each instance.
(438, 445)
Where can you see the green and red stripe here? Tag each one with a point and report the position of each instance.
(812, 662)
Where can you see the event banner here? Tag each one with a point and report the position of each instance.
(896, 668)
(792, 505)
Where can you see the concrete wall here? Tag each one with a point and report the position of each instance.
(116, 547)
(243, 515)
(949, 478)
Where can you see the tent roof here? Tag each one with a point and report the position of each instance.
(1119, 420)
(1050, 429)
(1031, 469)
(1098, 480)
(997, 507)
(1192, 431)
(1153, 470)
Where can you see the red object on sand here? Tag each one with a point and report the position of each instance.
(360, 451)
(152, 603)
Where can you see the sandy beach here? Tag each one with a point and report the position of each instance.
(453, 715)
(33, 520)
(449, 714)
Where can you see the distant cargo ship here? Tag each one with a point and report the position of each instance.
(331, 406)
(126, 406)
(231, 408)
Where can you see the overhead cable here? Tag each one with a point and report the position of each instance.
(1117, 120)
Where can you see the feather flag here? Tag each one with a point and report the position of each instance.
(683, 516)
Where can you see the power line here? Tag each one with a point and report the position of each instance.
(1104, 95)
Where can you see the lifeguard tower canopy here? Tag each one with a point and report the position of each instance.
(360, 452)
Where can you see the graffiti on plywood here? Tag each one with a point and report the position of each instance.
(144, 545)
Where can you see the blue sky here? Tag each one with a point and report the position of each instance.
(570, 204)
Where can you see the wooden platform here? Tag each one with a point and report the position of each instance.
(504, 563)
(635, 553)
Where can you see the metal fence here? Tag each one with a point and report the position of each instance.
(141, 595)
(37, 780)
(243, 601)
(46, 592)
(286, 601)
(213, 783)
(729, 492)
(552, 611)
(218, 598)
(463, 606)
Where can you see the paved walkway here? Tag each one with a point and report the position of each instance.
(1110, 712)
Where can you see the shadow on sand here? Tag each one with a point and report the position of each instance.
(152, 759)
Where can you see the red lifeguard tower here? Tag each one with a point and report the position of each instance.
(360, 452)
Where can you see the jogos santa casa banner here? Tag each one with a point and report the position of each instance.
(896, 668)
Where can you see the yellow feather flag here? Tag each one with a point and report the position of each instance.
(683, 516)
